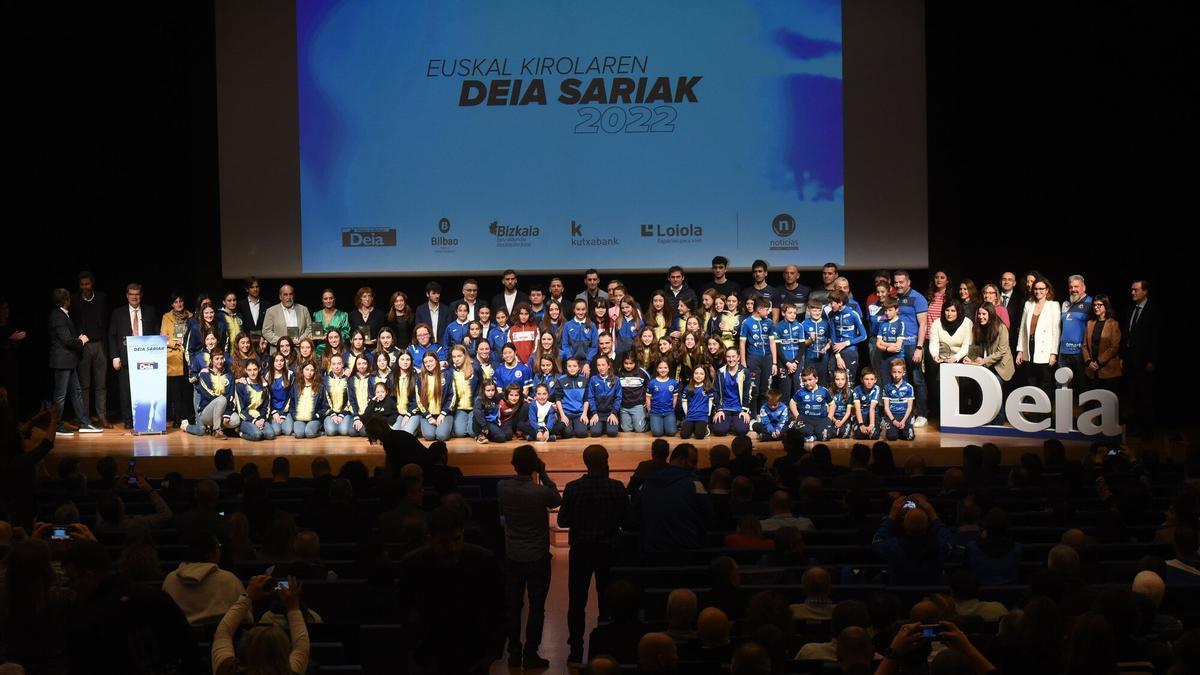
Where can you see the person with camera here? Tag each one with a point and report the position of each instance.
(914, 542)
(264, 646)
(913, 643)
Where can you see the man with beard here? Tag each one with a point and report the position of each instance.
(1075, 313)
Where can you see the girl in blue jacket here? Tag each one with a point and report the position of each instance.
(697, 404)
(570, 396)
(543, 421)
(579, 337)
(253, 402)
(603, 400)
(279, 387)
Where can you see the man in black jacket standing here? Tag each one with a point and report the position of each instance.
(66, 343)
(130, 319)
(1139, 350)
(89, 310)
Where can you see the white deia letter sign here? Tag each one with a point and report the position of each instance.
(1100, 420)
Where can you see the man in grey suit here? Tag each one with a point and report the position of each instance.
(66, 343)
(287, 318)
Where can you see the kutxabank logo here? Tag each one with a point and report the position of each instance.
(577, 238)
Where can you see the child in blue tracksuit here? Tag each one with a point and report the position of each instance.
(603, 400)
(253, 402)
(812, 407)
(758, 347)
(789, 351)
(423, 342)
(279, 391)
(866, 406)
(456, 333)
(816, 340)
(512, 371)
(898, 404)
(629, 324)
(497, 331)
(843, 404)
(569, 396)
(487, 413)
(890, 336)
(543, 421)
(734, 388)
(697, 405)
(580, 336)
(545, 372)
(847, 332)
(772, 417)
(662, 395)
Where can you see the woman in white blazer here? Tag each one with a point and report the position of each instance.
(1037, 342)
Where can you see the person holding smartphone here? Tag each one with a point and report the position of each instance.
(914, 542)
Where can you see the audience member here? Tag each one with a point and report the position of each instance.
(860, 476)
(199, 586)
(222, 464)
(1159, 626)
(749, 535)
(682, 609)
(594, 507)
(725, 588)
(854, 651)
(1184, 568)
(914, 542)
(817, 605)
(994, 558)
(672, 507)
(849, 613)
(714, 632)
(964, 586)
(751, 659)
(453, 596)
(657, 654)
(112, 514)
(524, 505)
(782, 515)
(619, 637)
(659, 451)
(263, 649)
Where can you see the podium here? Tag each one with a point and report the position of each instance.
(148, 382)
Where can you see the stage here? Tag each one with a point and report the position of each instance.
(192, 455)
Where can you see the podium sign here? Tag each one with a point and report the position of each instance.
(148, 382)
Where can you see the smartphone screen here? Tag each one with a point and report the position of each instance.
(910, 504)
(60, 534)
(281, 584)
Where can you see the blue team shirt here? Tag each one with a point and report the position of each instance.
(788, 336)
(572, 390)
(891, 332)
(757, 334)
(506, 375)
(662, 395)
(731, 395)
(866, 399)
(820, 337)
(912, 303)
(897, 396)
(773, 419)
(848, 326)
(841, 404)
(1074, 325)
(699, 404)
(814, 403)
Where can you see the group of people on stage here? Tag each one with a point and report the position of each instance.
(540, 366)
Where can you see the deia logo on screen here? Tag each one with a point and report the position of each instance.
(368, 237)
(440, 242)
(577, 238)
(513, 236)
(784, 226)
(674, 234)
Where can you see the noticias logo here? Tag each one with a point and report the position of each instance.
(359, 237)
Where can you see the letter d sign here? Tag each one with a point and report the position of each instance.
(993, 395)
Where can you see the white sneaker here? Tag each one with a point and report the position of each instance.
(920, 421)
(89, 429)
(184, 424)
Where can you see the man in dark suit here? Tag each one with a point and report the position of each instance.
(434, 312)
(128, 320)
(470, 296)
(89, 311)
(1139, 350)
(250, 308)
(66, 343)
(509, 296)
(1013, 300)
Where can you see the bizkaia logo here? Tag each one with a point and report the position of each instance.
(513, 236)
(368, 237)
(674, 234)
(784, 226)
(577, 238)
(440, 242)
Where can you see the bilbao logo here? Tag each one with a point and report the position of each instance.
(440, 242)
(444, 225)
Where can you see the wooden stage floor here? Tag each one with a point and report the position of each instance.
(192, 455)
